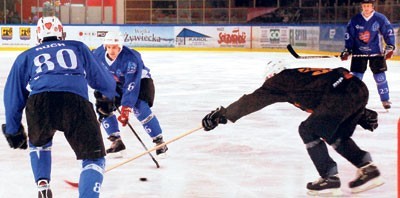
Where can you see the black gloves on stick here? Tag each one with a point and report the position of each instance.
(211, 120)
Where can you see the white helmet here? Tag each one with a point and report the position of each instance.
(113, 38)
(274, 67)
(49, 26)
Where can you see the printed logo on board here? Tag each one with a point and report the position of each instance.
(25, 33)
(6, 33)
(101, 33)
(191, 38)
(232, 38)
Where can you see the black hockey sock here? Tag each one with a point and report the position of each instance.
(350, 151)
(320, 157)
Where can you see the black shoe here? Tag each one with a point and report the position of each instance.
(159, 140)
(386, 104)
(116, 146)
(44, 190)
(329, 186)
(368, 177)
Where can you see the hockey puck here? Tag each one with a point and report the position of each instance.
(143, 179)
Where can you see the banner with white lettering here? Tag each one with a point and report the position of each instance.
(148, 36)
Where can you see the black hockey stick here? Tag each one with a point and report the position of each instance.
(296, 55)
(140, 140)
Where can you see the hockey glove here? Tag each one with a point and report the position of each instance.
(211, 120)
(18, 140)
(389, 50)
(104, 106)
(124, 116)
(345, 54)
(369, 120)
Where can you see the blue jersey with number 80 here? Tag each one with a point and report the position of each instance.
(53, 66)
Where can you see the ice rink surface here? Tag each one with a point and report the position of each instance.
(260, 155)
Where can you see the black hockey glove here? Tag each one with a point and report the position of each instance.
(345, 54)
(369, 120)
(104, 106)
(16, 141)
(389, 50)
(211, 120)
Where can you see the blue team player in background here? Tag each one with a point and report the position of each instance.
(364, 37)
(58, 73)
(136, 89)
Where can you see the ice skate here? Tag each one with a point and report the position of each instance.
(325, 187)
(116, 148)
(387, 104)
(368, 177)
(161, 151)
(44, 190)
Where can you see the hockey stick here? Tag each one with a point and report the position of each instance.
(140, 140)
(75, 184)
(297, 56)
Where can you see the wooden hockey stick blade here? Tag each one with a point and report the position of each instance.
(76, 185)
(297, 56)
(72, 184)
(154, 148)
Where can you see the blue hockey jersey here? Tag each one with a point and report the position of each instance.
(128, 69)
(364, 36)
(53, 66)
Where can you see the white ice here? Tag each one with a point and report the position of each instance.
(261, 155)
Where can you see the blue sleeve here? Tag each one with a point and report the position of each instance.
(387, 31)
(16, 94)
(350, 35)
(131, 88)
(98, 77)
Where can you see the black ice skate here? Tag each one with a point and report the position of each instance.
(159, 140)
(368, 177)
(116, 146)
(386, 104)
(325, 187)
(44, 190)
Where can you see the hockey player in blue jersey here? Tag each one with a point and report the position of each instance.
(136, 89)
(364, 39)
(58, 73)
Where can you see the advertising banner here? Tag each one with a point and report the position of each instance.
(332, 38)
(304, 37)
(270, 36)
(148, 36)
(17, 36)
(92, 36)
(213, 36)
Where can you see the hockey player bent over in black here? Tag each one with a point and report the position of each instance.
(336, 101)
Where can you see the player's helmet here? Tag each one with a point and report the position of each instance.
(368, 1)
(274, 67)
(113, 38)
(49, 26)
